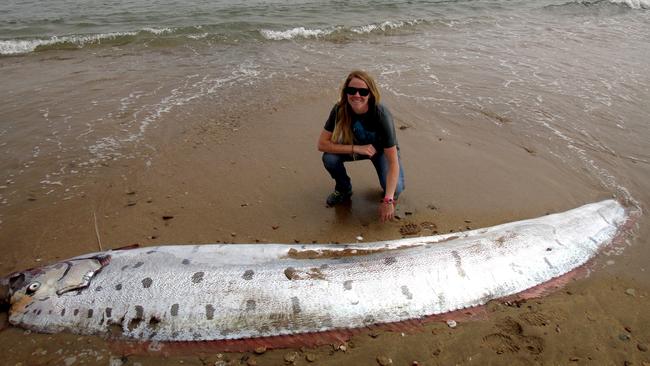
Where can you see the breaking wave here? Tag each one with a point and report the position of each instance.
(16, 47)
(634, 4)
(631, 4)
(302, 32)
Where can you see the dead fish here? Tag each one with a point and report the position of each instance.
(241, 291)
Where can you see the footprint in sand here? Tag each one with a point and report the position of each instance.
(534, 318)
(410, 229)
(510, 339)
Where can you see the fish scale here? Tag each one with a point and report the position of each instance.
(239, 291)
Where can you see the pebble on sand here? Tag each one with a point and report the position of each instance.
(642, 347)
(452, 323)
(630, 292)
(291, 357)
(384, 361)
(260, 350)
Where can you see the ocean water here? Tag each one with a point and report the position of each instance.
(83, 84)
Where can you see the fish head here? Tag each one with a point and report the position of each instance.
(22, 289)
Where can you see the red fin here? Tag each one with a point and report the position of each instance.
(127, 247)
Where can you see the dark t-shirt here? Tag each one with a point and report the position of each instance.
(375, 127)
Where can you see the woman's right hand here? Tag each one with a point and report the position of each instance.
(365, 150)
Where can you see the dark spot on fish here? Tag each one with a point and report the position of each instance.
(174, 310)
(151, 252)
(290, 272)
(327, 321)
(209, 311)
(264, 329)
(125, 267)
(139, 312)
(49, 312)
(76, 312)
(154, 322)
(197, 277)
(135, 322)
(118, 287)
(109, 312)
(406, 292)
(99, 288)
(548, 263)
(369, 319)
(186, 261)
(442, 301)
(225, 332)
(250, 304)
(295, 305)
(146, 283)
(324, 266)
(347, 285)
(175, 335)
(390, 260)
(138, 265)
(404, 314)
(459, 263)
(62, 312)
(196, 336)
(90, 313)
(248, 275)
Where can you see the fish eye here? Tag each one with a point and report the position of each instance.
(33, 287)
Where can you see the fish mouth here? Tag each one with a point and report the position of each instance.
(4, 294)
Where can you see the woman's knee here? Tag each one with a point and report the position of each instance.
(331, 160)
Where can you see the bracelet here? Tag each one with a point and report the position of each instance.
(388, 200)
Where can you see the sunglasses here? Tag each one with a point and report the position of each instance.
(349, 90)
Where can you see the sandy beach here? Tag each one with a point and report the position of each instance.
(263, 182)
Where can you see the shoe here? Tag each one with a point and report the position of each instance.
(337, 197)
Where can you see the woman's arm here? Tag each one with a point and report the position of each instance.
(325, 144)
(387, 210)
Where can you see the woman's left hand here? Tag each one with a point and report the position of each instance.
(386, 211)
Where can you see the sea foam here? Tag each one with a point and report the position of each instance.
(634, 4)
(302, 32)
(16, 47)
(299, 32)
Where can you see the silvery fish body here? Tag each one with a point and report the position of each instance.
(237, 291)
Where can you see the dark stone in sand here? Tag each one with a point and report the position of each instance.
(384, 360)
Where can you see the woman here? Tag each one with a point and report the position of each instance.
(361, 128)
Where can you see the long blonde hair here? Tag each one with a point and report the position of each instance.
(342, 133)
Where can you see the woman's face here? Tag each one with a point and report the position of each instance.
(358, 103)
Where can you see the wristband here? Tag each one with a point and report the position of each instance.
(388, 200)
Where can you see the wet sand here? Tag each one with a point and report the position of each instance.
(262, 181)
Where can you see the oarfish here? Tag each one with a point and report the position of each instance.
(240, 291)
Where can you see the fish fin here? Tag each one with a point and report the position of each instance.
(128, 247)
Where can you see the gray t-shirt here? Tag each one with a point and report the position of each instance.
(375, 127)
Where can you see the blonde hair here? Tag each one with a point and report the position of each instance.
(342, 133)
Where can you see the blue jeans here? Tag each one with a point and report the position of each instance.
(334, 165)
